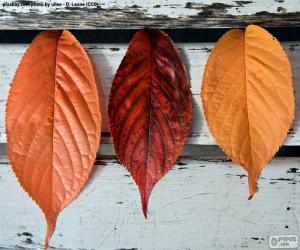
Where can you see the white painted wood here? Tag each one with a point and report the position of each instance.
(106, 59)
(114, 14)
(199, 204)
(173, 8)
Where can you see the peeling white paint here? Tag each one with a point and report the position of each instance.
(200, 205)
(106, 61)
(170, 8)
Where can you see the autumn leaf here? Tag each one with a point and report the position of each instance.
(53, 122)
(150, 109)
(248, 99)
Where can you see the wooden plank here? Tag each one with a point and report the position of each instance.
(106, 59)
(133, 14)
(199, 204)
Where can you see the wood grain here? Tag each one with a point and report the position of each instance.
(133, 14)
(199, 204)
(106, 59)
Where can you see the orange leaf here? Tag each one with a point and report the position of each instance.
(53, 122)
(248, 99)
(150, 109)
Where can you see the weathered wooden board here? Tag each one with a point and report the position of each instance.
(106, 59)
(199, 204)
(132, 14)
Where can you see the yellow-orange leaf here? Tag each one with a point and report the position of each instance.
(248, 99)
(53, 122)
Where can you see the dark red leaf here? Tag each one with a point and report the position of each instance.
(150, 109)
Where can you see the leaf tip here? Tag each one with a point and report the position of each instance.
(250, 196)
(145, 194)
(51, 221)
(252, 183)
(145, 208)
(252, 190)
